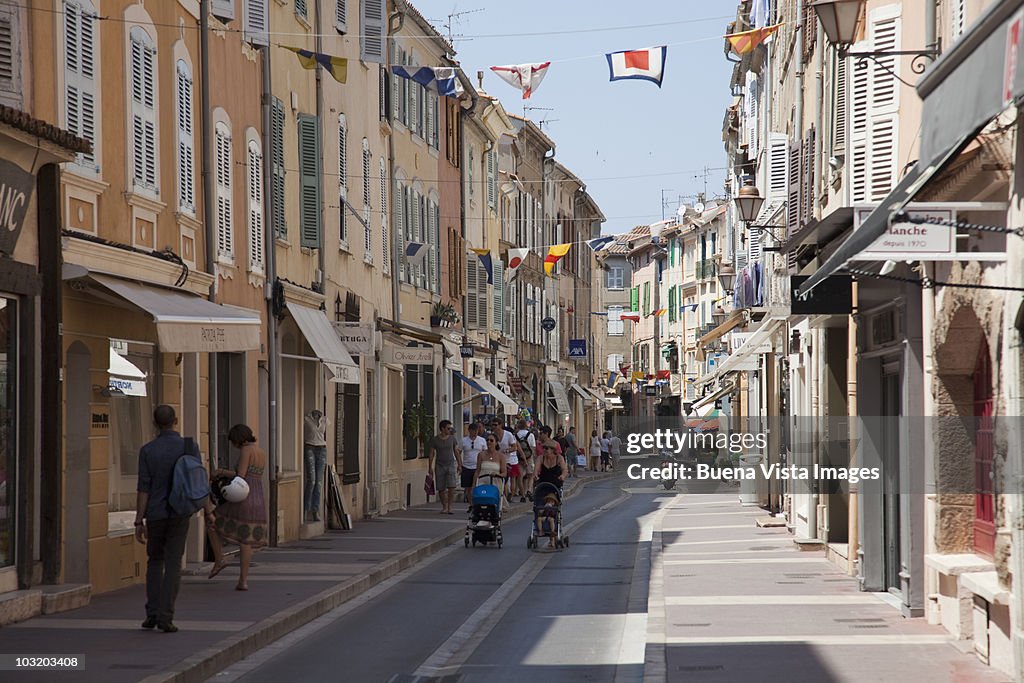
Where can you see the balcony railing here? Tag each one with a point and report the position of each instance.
(705, 269)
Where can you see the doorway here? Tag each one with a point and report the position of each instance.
(891, 410)
(984, 496)
(231, 410)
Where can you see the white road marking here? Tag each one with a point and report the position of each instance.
(755, 560)
(854, 640)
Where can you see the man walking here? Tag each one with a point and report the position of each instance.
(528, 446)
(615, 448)
(444, 459)
(472, 445)
(509, 445)
(156, 525)
(572, 453)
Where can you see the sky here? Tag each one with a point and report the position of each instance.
(604, 130)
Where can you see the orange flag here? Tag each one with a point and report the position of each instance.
(555, 254)
(745, 42)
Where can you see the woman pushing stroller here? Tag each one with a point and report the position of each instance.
(551, 471)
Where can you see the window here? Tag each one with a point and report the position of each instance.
(367, 229)
(256, 21)
(469, 168)
(309, 181)
(372, 27)
(616, 277)
(255, 202)
(647, 298)
(130, 419)
(277, 167)
(341, 15)
(616, 328)
(385, 243)
(144, 119)
(186, 146)
(222, 160)
(343, 178)
(79, 73)
(419, 389)
(491, 189)
(10, 55)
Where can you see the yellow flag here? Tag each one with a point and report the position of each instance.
(555, 254)
(745, 42)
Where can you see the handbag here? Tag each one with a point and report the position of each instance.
(428, 485)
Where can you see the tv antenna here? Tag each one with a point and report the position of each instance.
(527, 108)
(453, 19)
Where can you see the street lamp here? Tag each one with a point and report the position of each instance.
(726, 278)
(748, 202)
(718, 317)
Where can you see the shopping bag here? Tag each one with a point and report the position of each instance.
(428, 485)
(581, 460)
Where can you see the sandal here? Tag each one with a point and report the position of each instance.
(241, 588)
(217, 569)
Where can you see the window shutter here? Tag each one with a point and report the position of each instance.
(186, 162)
(491, 190)
(385, 243)
(793, 188)
(79, 74)
(672, 304)
(750, 99)
(778, 146)
(277, 167)
(472, 319)
(428, 130)
(647, 298)
(435, 246)
(634, 299)
(256, 21)
(224, 9)
(884, 87)
(398, 199)
(959, 19)
(10, 49)
(469, 169)
(309, 182)
(372, 25)
(883, 112)
(367, 229)
(255, 207)
(808, 190)
(839, 108)
(754, 245)
(341, 15)
(301, 9)
(413, 109)
(435, 102)
(343, 178)
(499, 295)
(222, 159)
(883, 156)
(396, 95)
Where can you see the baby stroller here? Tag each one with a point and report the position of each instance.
(547, 516)
(485, 514)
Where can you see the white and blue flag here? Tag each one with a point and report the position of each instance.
(441, 79)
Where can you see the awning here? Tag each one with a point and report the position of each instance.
(122, 367)
(186, 323)
(759, 337)
(452, 355)
(734, 320)
(561, 399)
(707, 404)
(820, 232)
(508, 404)
(587, 398)
(601, 400)
(324, 341)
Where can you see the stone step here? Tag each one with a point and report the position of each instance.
(20, 605)
(65, 596)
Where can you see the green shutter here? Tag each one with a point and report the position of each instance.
(309, 181)
(277, 167)
(634, 299)
(672, 304)
(672, 253)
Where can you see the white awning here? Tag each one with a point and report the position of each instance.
(561, 398)
(122, 367)
(601, 400)
(326, 344)
(707, 403)
(452, 355)
(588, 398)
(753, 342)
(508, 404)
(185, 323)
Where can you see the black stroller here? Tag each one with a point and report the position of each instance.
(547, 516)
(484, 524)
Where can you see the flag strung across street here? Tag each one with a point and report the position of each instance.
(632, 317)
(526, 77)
(745, 42)
(647, 64)
(612, 377)
(336, 66)
(660, 312)
(555, 254)
(441, 79)
(416, 253)
(599, 243)
(485, 259)
(515, 259)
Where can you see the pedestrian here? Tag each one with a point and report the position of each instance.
(595, 450)
(243, 523)
(163, 532)
(551, 468)
(509, 445)
(606, 451)
(528, 445)
(314, 432)
(472, 445)
(491, 462)
(572, 454)
(615, 448)
(445, 460)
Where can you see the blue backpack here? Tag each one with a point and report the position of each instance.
(190, 484)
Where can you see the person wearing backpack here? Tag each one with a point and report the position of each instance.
(528, 444)
(163, 508)
(244, 522)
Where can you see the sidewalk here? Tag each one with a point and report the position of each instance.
(731, 601)
(288, 587)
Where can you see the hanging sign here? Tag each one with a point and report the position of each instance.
(357, 338)
(409, 355)
(910, 241)
(548, 324)
(577, 348)
(15, 192)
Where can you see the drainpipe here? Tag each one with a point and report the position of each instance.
(930, 40)
(321, 277)
(209, 201)
(269, 236)
(395, 23)
(931, 588)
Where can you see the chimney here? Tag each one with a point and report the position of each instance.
(480, 79)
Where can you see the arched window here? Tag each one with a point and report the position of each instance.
(222, 161)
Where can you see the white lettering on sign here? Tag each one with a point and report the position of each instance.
(11, 199)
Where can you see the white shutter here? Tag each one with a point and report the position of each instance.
(491, 192)
(469, 168)
(881, 139)
(884, 86)
(415, 224)
(499, 295)
(883, 156)
(224, 9)
(958, 21)
(839, 105)
(255, 198)
(778, 156)
(144, 121)
(186, 141)
(301, 9)
(372, 27)
(472, 285)
(398, 201)
(754, 245)
(859, 115)
(10, 49)
(428, 129)
(256, 21)
(80, 75)
(341, 15)
(343, 177)
(367, 229)
(222, 159)
(750, 100)
(435, 247)
(385, 243)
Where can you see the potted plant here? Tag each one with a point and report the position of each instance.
(419, 425)
(443, 315)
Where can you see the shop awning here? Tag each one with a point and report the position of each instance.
(186, 323)
(452, 355)
(732, 322)
(508, 404)
(753, 342)
(704, 406)
(324, 341)
(469, 381)
(561, 399)
(587, 397)
(615, 403)
(125, 378)
(601, 400)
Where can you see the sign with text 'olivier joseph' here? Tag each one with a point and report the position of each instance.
(409, 355)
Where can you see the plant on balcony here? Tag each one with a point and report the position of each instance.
(443, 315)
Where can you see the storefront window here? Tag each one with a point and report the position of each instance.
(131, 425)
(8, 427)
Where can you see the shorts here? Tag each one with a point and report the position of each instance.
(444, 477)
(467, 478)
(513, 471)
(530, 467)
(605, 458)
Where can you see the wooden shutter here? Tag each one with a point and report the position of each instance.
(751, 101)
(499, 295)
(469, 169)
(778, 147)
(839, 87)
(222, 160)
(367, 226)
(472, 285)
(309, 181)
(343, 178)
(672, 304)
(434, 239)
(10, 48)
(385, 242)
(372, 27)
(399, 199)
(793, 186)
(883, 157)
(79, 73)
(491, 190)
(634, 299)
(255, 196)
(143, 89)
(301, 9)
(430, 115)
(883, 109)
(224, 9)
(647, 298)
(341, 15)
(958, 21)
(396, 94)
(808, 180)
(186, 160)
(277, 167)
(256, 21)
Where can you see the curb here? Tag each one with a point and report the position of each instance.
(209, 661)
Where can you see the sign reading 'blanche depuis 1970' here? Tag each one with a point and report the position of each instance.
(904, 240)
(16, 187)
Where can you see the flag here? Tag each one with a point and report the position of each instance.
(441, 79)
(515, 259)
(416, 253)
(555, 254)
(646, 64)
(599, 243)
(612, 376)
(632, 317)
(658, 313)
(336, 66)
(638, 377)
(485, 258)
(745, 42)
(526, 77)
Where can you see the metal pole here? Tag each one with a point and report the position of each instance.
(208, 210)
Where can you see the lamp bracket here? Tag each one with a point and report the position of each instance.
(918, 64)
(767, 228)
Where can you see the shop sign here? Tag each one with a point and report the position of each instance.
(548, 324)
(910, 241)
(466, 350)
(16, 187)
(516, 383)
(357, 338)
(739, 338)
(1013, 32)
(412, 355)
(577, 348)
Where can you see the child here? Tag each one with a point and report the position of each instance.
(546, 519)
